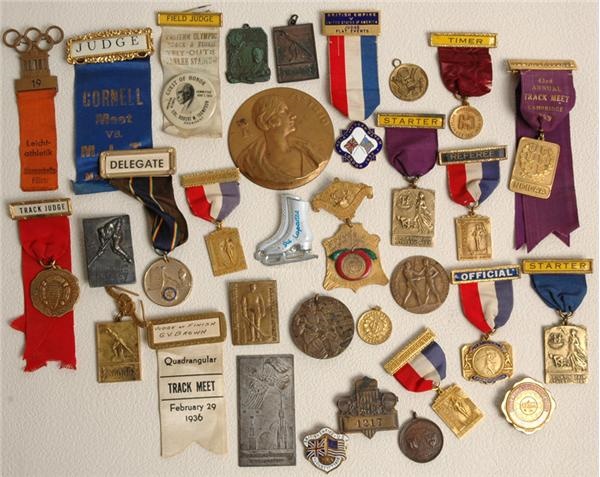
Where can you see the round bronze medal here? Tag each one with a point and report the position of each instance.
(408, 82)
(528, 406)
(281, 138)
(54, 291)
(167, 282)
(465, 122)
(374, 326)
(322, 327)
(419, 284)
(420, 439)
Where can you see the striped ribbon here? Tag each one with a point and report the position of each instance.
(474, 182)
(169, 228)
(353, 75)
(487, 305)
(212, 195)
(425, 371)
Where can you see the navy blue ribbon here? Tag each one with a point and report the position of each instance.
(560, 291)
(113, 110)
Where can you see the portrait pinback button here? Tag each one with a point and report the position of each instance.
(188, 100)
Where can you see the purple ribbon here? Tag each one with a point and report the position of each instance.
(544, 99)
(412, 151)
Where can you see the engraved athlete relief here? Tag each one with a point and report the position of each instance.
(212, 196)
(466, 70)
(486, 297)
(411, 144)
(353, 259)
(254, 312)
(295, 52)
(421, 366)
(109, 251)
(473, 174)
(247, 55)
(561, 285)
(266, 415)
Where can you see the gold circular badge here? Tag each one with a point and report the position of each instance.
(488, 360)
(281, 138)
(408, 82)
(374, 326)
(465, 122)
(167, 282)
(528, 406)
(54, 291)
(188, 100)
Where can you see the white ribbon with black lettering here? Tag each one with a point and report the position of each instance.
(192, 406)
(190, 96)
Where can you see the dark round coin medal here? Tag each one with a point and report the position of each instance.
(322, 327)
(420, 439)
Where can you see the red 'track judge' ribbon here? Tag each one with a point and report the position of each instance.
(43, 240)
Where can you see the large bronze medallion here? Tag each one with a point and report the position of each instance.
(420, 439)
(281, 138)
(419, 284)
(322, 327)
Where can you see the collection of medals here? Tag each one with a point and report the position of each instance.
(114, 151)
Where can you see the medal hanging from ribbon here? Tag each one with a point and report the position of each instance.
(353, 74)
(542, 173)
(189, 54)
(113, 106)
(466, 70)
(561, 285)
(353, 258)
(35, 92)
(421, 366)
(212, 196)
(50, 290)
(486, 297)
(411, 144)
(473, 174)
(167, 281)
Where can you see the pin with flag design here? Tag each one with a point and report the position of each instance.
(486, 297)
(421, 366)
(212, 196)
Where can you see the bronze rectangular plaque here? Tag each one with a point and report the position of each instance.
(295, 52)
(254, 313)
(118, 352)
(225, 251)
(473, 237)
(413, 217)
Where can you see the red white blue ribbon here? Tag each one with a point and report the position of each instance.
(425, 371)
(212, 195)
(487, 305)
(472, 183)
(353, 76)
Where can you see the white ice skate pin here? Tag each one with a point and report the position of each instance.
(292, 242)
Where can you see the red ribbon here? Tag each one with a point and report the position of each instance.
(43, 240)
(466, 72)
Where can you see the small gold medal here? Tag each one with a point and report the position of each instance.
(407, 82)
(413, 217)
(374, 326)
(225, 251)
(534, 167)
(566, 354)
(487, 361)
(118, 352)
(473, 237)
(54, 291)
(457, 410)
(465, 121)
(167, 282)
